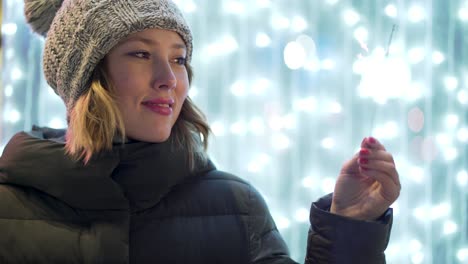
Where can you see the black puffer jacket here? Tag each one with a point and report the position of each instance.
(139, 204)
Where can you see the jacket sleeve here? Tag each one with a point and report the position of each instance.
(338, 239)
(265, 242)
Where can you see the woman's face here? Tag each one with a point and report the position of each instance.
(150, 81)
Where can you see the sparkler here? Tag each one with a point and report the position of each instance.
(387, 53)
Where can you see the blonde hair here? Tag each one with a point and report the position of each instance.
(95, 121)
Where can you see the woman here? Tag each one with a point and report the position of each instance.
(130, 181)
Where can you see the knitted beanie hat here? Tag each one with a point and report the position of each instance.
(79, 33)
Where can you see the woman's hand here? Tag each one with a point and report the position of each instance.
(368, 183)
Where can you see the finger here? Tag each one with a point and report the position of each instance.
(372, 143)
(376, 155)
(381, 167)
(350, 165)
(390, 191)
(375, 158)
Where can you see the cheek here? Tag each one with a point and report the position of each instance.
(183, 84)
(125, 83)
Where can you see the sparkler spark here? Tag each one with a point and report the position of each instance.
(378, 73)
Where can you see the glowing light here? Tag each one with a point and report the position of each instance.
(282, 223)
(440, 210)
(254, 167)
(331, 2)
(450, 153)
(328, 143)
(415, 245)
(328, 185)
(416, 55)
(188, 6)
(451, 121)
(57, 123)
(234, 7)
(388, 130)
(312, 65)
(308, 182)
(218, 128)
(462, 134)
(328, 64)
(12, 116)
(259, 163)
(361, 34)
(308, 104)
(420, 213)
(262, 40)
(462, 97)
(308, 44)
(8, 90)
(383, 78)
(438, 57)
(450, 227)
(462, 178)
(392, 250)
(391, 10)
(298, 24)
(443, 139)
(416, 120)
(260, 85)
(302, 215)
(224, 46)
(257, 126)
(276, 123)
(279, 22)
(9, 29)
(417, 174)
(451, 83)
(193, 92)
(263, 3)
(463, 14)
(9, 53)
(294, 55)
(415, 92)
(281, 141)
(335, 108)
(417, 258)
(462, 254)
(239, 128)
(239, 88)
(16, 74)
(289, 121)
(359, 66)
(416, 14)
(351, 17)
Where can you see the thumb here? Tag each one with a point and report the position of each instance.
(351, 165)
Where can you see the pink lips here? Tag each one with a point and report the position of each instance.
(160, 106)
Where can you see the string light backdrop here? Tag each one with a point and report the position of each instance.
(290, 88)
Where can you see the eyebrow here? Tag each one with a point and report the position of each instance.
(148, 41)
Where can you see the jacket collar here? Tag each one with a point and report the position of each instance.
(135, 174)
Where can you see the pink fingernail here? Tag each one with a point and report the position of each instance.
(364, 151)
(372, 140)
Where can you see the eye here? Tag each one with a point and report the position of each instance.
(181, 61)
(140, 54)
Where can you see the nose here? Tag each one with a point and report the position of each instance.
(164, 77)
